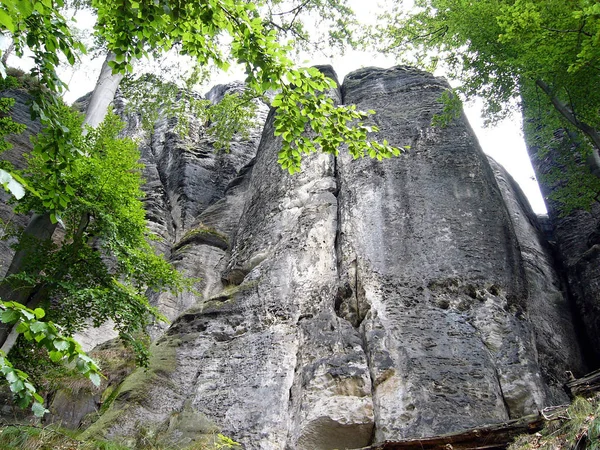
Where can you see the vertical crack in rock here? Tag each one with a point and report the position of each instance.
(502, 394)
(162, 178)
(331, 405)
(350, 303)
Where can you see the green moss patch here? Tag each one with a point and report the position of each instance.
(203, 235)
(136, 389)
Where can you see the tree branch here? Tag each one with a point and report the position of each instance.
(566, 31)
(569, 115)
(296, 9)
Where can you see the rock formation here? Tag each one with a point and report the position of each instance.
(355, 302)
(577, 240)
(359, 301)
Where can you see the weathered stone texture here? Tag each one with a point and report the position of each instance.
(21, 145)
(577, 239)
(548, 308)
(431, 257)
(354, 302)
(186, 190)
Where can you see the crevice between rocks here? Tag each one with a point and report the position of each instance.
(496, 374)
(163, 183)
(345, 292)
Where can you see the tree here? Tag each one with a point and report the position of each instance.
(104, 264)
(543, 54)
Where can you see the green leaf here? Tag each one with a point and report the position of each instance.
(55, 355)
(28, 314)
(61, 345)
(10, 375)
(6, 22)
(17, 386)
(38, 409)
(39, 313)
(38, 327)
(95, 378)
(9, 316)
(25, 7)
(11, 184)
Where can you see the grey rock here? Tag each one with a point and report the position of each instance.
(577, 239)
(187, 191)
(430, 253)
(21, 145)
(548, 307)
(356, 301)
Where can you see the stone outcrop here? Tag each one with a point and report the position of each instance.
(577, 239)
(551, 314)
(187, 186)
(355, 302)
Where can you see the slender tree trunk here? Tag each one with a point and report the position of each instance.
(40, 228)
(594, 161)
(7, 53)
(103, 95)
(39, 293)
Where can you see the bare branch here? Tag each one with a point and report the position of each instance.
(296, 9)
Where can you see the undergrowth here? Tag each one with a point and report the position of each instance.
(575, 428)
(28, 437)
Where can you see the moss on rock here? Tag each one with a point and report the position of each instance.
(136, 389)
(203, 235)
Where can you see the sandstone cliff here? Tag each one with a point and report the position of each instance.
(355, 302)
(577, 239)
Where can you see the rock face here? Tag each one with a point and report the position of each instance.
(577, 239)
(355, 302)
(550, 312)
(21, 144)
(186, 187)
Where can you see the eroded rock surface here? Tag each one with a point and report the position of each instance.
(21, 145)
(356, 301)
(548, 308)
(190, 196)
(431, 257)
(577, 239)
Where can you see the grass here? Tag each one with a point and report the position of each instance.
(576, 428)
(29, 437)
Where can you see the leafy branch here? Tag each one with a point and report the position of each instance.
(300, 109)
(43, 335)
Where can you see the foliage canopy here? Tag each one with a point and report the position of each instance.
(103, 265)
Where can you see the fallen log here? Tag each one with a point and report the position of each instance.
(497, 436)
(585, 386)
(489, 437)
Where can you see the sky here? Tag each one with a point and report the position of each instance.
(503, 142)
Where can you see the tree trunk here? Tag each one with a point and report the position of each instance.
(487, 437)
(103, 95)
(594, 160)
(7, 53)
(40, 228)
